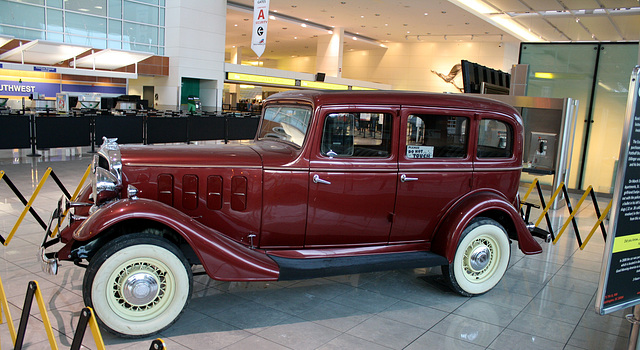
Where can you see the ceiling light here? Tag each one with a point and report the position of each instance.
(354, 38)
(503, 21)
(330, 31)
(272, 17)
(515, 29)
(111, 59)
(303, 25)
(5, 39)
(475, 5)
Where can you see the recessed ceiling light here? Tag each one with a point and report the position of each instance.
(303, 25)
(426, 13)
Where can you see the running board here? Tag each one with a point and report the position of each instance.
(295, 269)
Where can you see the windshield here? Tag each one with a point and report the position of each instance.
(287, 123)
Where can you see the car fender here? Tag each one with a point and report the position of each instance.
(450, 229)
(222, 258)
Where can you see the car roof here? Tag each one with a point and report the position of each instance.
(394, 97)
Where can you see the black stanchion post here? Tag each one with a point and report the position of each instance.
(32, 136)
(226, 130)
(85, 315)
(92, 133)
(26, 311)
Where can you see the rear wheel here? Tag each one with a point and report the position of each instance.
(137, 285)
(481, 259)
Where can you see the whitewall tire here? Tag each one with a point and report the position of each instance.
(481, 259)
(137, 285)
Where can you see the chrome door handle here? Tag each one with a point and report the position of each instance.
(404, 178)
(318, 180)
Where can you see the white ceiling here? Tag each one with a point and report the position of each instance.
(429, 20)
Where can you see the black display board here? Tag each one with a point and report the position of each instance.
(620, 276)
(206, 128)
(14, 131)
(166, 129)
(127, 129)
(242, 128)
(53, 132)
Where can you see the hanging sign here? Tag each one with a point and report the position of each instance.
(620, 276)
(260, 21)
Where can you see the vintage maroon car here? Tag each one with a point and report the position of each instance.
(334, 183)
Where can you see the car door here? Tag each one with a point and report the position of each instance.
(496, 164)
(353, 175)
(435, 169)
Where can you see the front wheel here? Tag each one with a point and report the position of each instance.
(481, 259)
(137, 285)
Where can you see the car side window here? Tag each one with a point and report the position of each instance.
(495, 139)
(361, 135)
(436, 136)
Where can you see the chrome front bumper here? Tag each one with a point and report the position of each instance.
(48, 265)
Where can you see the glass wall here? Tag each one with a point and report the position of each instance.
(598, 76)
(118, 24)
(615, 65)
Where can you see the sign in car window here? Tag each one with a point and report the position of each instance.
(620, 276)
(419, 152)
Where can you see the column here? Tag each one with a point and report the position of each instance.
(329, 53)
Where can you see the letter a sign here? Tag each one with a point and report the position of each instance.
(260, 21)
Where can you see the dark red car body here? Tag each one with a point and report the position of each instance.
(273, 209)
(216, 196)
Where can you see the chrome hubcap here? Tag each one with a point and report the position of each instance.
(140, 289)
(480, 258)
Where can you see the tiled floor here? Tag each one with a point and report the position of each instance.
(545, 301)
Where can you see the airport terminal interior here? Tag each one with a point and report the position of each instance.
(192, 72)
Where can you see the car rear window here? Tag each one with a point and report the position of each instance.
(436, 136)
(495, 139)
